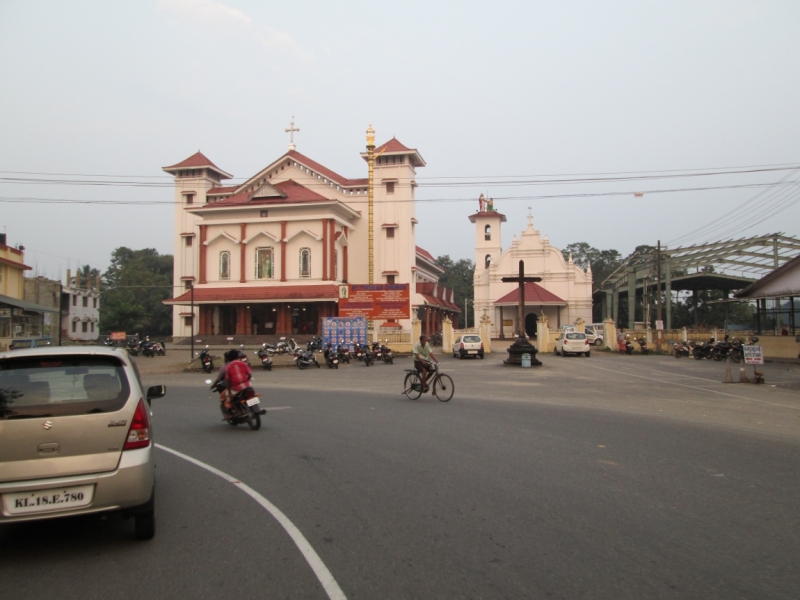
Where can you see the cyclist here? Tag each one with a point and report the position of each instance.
(423, 354)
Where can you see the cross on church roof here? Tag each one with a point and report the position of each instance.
(290, 130)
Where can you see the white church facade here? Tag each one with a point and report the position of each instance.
(563, 296)
(267, 256)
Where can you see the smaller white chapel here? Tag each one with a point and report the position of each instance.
(563, 295)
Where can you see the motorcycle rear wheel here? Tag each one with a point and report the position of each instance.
(716, 355)
(253, 420)
(736, 355)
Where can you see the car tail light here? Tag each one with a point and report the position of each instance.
(481, 345)
(566, 342)
(462, 345)
(139, 433)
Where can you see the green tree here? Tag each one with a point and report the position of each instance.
(133, 289)
(458, 276)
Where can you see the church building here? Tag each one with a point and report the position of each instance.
(563, 295)
(268, 256)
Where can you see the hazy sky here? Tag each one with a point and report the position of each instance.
(487, 92)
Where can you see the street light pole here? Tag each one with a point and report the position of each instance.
(191, 296)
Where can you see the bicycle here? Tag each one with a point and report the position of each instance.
(441, 384)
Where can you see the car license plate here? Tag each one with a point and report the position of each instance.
(472, 351)
(48, 500)
(253, 402)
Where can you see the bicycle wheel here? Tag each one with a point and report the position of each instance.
(413, 386)
(443, 388)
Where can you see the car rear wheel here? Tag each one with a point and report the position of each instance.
(598, 342)
(145, 521)
(588, 354)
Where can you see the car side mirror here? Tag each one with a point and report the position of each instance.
(156, 391)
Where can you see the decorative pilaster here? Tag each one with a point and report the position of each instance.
(242, 251)
(202, 266)
(283, 250)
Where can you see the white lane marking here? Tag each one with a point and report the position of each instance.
(279, 407)
(312, 558)
(694, 387)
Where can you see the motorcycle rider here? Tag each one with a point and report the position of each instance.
(422, 354)
(236, 374)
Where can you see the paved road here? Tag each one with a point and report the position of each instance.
(608, 477)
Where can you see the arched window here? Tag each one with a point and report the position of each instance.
(305, 262)
(263, 263)
(488, 260)
(224, 265)
(487, 232)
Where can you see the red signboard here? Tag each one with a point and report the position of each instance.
(117, 336)
(376, 302)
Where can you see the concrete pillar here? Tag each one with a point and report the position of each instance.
(242, 253)
(283, 250)
(580, 325)
(610, 334)
(447, 336)
(631, 299)
(325, 250)
(615, 308)
(486, 333)
(416, 330)
(543, 339)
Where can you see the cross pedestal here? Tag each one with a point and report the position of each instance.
(521, 345)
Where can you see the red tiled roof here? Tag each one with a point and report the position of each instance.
(222, 190)
(198, 159)
(534, 294)
(490, 213)
(293, 193)
(325, 171)
(393, 145)
(426, 254)
(426, 290)
(255, 294)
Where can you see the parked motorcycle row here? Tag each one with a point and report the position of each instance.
(146, 347)
(719, 350)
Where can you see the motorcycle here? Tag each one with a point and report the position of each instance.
(159, 349)
(643, 346)
(331, 360)
(343, 353)
(244, 406)
(264, 357)
(305, 358)
(133, 348)
(625, 346)
(701, 351)
(315, 344)
(681, 349)
(206, 361)
(386, 354)
(369, 356)
(148, 348)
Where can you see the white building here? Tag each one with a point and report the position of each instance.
(267, 256)
(80, 310)
(563, 295)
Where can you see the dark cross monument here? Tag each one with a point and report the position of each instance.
(521, 345)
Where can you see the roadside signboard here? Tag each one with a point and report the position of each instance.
(753, 355)
(349, 329)
(660, 325)
(378, 302)
(118, 336)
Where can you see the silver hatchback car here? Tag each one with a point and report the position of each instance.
(75, 436)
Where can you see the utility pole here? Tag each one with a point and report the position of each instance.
(658, 298)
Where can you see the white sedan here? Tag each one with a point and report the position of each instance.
(572, 342)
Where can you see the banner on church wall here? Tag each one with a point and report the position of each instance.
(377, 302)
(350, 329)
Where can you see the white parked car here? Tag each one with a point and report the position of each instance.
(572, 342)
(469, 344)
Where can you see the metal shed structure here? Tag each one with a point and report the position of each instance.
(735, 264)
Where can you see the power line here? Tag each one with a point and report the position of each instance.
(361, 199)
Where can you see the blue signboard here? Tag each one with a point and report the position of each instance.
(350, 329)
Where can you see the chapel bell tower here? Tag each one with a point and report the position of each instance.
(487, 234)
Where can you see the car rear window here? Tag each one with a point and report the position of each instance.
(472, 339)
(576, 336)
(61, 385)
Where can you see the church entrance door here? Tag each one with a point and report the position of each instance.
(227, 319)
(531, 323)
